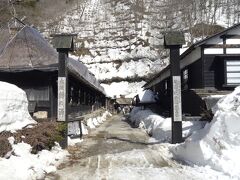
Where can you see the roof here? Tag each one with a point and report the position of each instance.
(27, 50)
(189, 50)
(201, 42)
(124, 101)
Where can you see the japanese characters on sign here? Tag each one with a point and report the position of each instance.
(177, 110)
(73, 128)
(61, 98)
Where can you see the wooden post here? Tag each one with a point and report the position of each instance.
(176, 103)
(173, 41)
(63, 43)
(62, 94)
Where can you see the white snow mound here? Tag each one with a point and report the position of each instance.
(218, 144)
(147, 96)
(14, 113)
(159, 127)
(22, 165)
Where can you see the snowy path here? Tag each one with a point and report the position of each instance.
(115, 150)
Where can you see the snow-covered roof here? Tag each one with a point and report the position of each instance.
(27, 50)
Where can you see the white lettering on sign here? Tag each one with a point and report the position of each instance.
(177, 100)
(61, 98)
(73, 128)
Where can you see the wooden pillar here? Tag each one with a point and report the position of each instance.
(62, 93)
(63, 43)
(174, 40)
(176, 104)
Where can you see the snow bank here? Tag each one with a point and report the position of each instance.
(147, 96)
(218, 144)
(14, 113)
(24, 165)
(72, 142)
(158, 127)
(84, 129)
(96, 121)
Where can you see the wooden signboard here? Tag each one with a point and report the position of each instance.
(177, 101)
(62, 98)
(74, 128)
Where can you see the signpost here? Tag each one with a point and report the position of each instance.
(63, 43)
(174, 40)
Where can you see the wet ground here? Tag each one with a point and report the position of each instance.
(116, 151)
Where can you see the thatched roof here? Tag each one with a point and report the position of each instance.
(4, 38)
(27, 50)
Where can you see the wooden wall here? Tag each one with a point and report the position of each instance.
(41, 88)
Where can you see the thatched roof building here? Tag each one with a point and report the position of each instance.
(27, 50)
(29, 61)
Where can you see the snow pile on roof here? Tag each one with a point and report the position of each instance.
(218, 144)
(158, 127)
(14, 113)
(24, 165)
(147, 96)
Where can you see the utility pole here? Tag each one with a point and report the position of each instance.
(173, 41)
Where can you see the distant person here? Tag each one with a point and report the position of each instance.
(119, 109)
(116, 106)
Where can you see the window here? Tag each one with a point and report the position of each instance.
(185, 75)
(232, 72)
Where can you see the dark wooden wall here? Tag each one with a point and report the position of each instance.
(209, 64)
(195, 75)
(43, 85)
(214, 72)
(82, 98)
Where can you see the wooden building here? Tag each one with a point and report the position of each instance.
(210, 66)
(30, 62)
(123, 101)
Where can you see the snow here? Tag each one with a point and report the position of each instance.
(147, 96)
(212, 147)
(73, 141)
(218, 144)
(138, 164)
(23, 165)
(212, 100)
(14, 113)
(92, 123)
(84, 129)
(160, 128)
(153, 162)
(123, 88)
